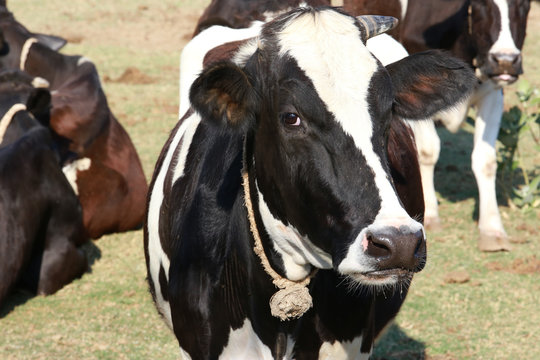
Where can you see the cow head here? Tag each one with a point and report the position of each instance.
(24, 104)
(13, 36)
(498, 29)
(315, 107)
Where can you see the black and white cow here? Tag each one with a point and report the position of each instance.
(41, 228)
(489, 35)
(280, 170)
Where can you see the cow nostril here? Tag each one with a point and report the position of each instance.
(378, 246)
(419, 242)
(494, 58)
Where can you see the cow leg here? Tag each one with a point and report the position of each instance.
(62, 259)
(484, 166)
(62, 262)
(428, 146)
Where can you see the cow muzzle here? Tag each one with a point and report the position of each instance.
(396, 249)
(504, 67)
(385, 255)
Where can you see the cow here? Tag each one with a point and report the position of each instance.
(228, 21)
(108, 175)
(489, 36)
(277, 178)
(240, 14)
(40, 216)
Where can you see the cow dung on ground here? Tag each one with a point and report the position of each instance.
(132, 75)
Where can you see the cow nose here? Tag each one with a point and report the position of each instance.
(506, 59)
(395, 248)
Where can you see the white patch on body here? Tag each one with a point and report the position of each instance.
(343, 350)
(387, 49)
(341, 67)
(192, 57)
(157, 256)
(83, 60)
(245, 344)
(70, 171)
(404, 4)
(40, 82)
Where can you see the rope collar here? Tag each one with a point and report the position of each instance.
(8, 116)
(293, 298)
(25, 50)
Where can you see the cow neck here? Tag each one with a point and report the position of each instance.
(293, 298)
(25, 50)
(47, 64)
(8, 116)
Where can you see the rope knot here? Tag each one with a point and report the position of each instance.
(291, 302)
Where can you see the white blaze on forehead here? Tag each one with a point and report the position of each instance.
(505, 42)
(327, 47)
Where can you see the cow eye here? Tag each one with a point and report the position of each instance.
(291, 119)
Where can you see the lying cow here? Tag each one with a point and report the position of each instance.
(40, 215)
(108, 175)
(280, 170)
(488, 35)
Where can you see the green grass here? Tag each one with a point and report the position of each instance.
(108, 313)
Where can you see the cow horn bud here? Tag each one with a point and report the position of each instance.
(376, 24)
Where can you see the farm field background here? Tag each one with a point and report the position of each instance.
(463, 305)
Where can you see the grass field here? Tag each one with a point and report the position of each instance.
(463, 305)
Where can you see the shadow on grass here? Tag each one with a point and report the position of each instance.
(16, 298)
(92, 253)
(454, 178)
(20, 296)
(395, 344)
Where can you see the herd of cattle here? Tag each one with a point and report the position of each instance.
(69, 171)
(290, 200)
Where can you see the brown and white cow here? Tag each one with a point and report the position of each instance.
(41, 227)
(489, 35)
(107, 174)
(279, 177)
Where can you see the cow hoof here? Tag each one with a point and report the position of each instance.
(432, 223)
(494, 242)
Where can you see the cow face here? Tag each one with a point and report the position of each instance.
(316, 106)
(499, 27)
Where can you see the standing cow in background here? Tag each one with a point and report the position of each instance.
(41, 227)
(489, 35)
(280, 169)
(107, 174)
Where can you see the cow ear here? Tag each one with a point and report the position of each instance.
(224, 95)
(39, 104)
(53, 42)
(429, 82)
